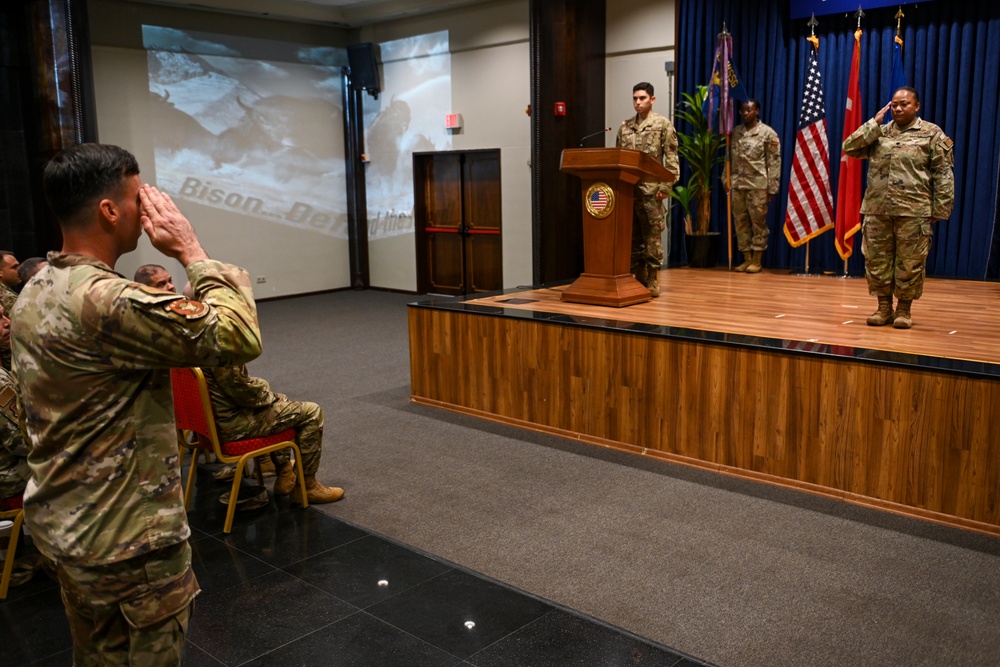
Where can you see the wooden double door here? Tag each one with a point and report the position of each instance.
(457, 219)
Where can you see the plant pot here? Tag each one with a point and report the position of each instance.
(702, 250)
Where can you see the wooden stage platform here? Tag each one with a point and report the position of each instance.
(772, 377)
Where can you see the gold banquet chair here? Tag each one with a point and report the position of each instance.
(15, 532)
(193, 412)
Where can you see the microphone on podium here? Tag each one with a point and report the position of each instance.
(607, 129)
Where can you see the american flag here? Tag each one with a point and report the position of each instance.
(598, 200)
(810, 199)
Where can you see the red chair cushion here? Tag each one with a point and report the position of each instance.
(241, 447)
(12, 503)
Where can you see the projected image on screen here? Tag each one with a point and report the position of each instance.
(408, 117)
(248, 135)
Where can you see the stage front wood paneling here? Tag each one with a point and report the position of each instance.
(873, 427)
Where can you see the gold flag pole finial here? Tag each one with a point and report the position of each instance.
(812, 38)
(899, 17)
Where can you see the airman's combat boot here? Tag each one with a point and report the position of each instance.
(653, 281)
(755, 258)
(883, 315)
(654, 287)
(266, 465)
(903, 319)
(285, 481)
(317, 493)
(747, 260)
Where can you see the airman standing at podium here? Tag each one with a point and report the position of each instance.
(654, 135)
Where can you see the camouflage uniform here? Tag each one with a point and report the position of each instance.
(656, 137)
(7, 299)
(756, 173)
(14, 472)
(910, 185)
(92, 353)
(245, 407)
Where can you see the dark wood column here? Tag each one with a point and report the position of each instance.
(46, 88)
(567, 65)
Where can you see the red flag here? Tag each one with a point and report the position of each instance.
(810, 199)
(849, 183)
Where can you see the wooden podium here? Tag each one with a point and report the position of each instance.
(609, 176)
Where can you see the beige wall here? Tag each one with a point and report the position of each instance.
(490, 86)
(122, 115)
(289, 260)
(640, 40)
(502, 122)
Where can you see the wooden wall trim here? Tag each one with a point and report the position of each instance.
(567, 65)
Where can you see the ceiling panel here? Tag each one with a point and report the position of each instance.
(342, 13)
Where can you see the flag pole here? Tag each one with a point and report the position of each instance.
(724, 73)
(729, 205)
(857, 37)
(814, 40)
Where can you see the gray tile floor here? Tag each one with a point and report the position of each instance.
(297, 587)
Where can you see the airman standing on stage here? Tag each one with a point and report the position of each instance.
(755, 156)
(910, 186)
(654, 135)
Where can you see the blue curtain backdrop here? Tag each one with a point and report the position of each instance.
(951, 55)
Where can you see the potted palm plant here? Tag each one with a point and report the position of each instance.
(686, 196)
(702, 149)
